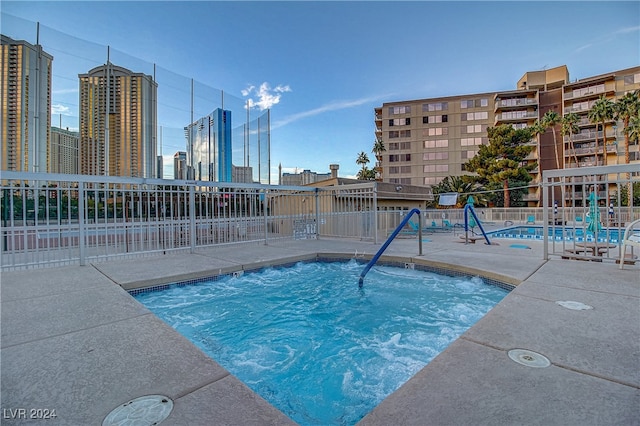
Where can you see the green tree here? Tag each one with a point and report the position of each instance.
(601, 112)
(366, 174)
(503, 159)
(633, 130)
(378, 149)
(550, 120)
(570, 127)
(626, 108)
(465, 186)
(362, 160)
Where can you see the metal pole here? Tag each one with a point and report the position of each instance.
(81, 223)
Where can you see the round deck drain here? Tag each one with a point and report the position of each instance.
(145, 410)
(575, 306)
(529, 358)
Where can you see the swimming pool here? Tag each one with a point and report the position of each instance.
(557, 233)
(312, 343)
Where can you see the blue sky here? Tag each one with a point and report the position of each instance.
(324, 66)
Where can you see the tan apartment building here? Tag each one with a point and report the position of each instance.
(118, 123)
(427, 140)
(25, 105)
(64, 151)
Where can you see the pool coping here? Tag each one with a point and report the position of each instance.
(77, 324)
(502, 281)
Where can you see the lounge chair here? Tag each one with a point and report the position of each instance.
(630, 238)
(531, 219)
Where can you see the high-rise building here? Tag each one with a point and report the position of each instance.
(427, 140)
(306, 177)
(180, 165)
(25, 105)
(63, 151)
(159, 167)
(118, 122)
(209, 147)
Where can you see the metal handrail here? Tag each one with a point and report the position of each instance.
(391, 237)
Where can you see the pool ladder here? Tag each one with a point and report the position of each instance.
(391, 237)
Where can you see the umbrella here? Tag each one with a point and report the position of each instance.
(594, 213)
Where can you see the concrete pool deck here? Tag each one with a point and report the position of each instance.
(74, 341)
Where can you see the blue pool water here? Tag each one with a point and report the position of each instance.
(557, 233)
(312, 343)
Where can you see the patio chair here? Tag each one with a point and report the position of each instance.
(531, 219)
(630, 238)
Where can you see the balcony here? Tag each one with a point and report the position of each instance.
(584, 164)
(583, 107)
(505, 104)
(521, 116)
(591, 92)
(588, 136)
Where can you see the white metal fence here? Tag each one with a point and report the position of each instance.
(586, 210)
(57, 219)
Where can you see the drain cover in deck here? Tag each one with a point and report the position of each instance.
(146, 410)
(575, 306)
(529, 358)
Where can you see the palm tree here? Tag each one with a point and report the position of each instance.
(633, 130)
(465, 187)
(601, 112)
(537, 129)
(363, 160)
(551, 119)
(570, 127)
(626, 108)
(378, 149)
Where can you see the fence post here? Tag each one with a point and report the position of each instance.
(192, 217)
(81, 223)
(317, 190)
(545, 217)
(265, 214)
(374, 192)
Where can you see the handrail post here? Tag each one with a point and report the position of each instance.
(419, 234)
(386, 244)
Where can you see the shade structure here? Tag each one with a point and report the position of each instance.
(594, 213)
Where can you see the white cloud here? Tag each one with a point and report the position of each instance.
(628, 30)
(334, 106)
(60, 109)
(265, 94)
(608, 37)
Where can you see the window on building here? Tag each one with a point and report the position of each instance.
(436, 131)
(405, 145)
(470, 141)
(433, 156)
(405, 133)
(394, 134)
(467, 155)
(437, 106)
(405, 169)
(393, 146)
(395, 110)
(434, 168)
(399, 121)
(431, 180)
(394, 158)
(394, 170)
(470, 116)
(632, 79)
(438, 143)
